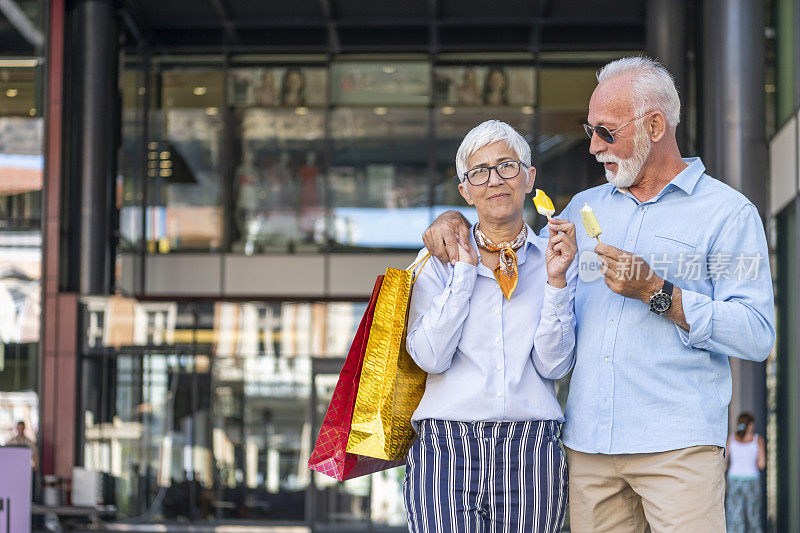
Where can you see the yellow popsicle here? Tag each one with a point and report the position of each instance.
(590, 222)
(543, 203)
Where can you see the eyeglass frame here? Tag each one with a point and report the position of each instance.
(494, 167)
(587, 127)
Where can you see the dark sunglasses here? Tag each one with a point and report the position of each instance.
(606, 134)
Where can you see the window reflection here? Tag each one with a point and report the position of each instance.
(183, 169)
(565, 165)
(21, 161)
(484, 85)
(376, 192)
(381, 83)
(183, 164)
(279, 181)
(130, 194)
(21, 181)
(218, 429)
(379, 181)
(273, 87)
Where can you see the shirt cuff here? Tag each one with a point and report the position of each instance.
(697, 309)
(463, 278)
(557, 301)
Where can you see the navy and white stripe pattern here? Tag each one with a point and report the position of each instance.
(486, 477)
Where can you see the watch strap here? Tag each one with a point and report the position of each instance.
(668, 288)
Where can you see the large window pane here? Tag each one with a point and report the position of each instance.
(130, 188)
(279, 181)
(565, 165)
(21, 180)
(379, 179)
(274, 87)
(204, 412)
(483, 85)
(184, 164)
(21, 162)
(381, 83)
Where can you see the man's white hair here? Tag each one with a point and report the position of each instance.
(653, 86)
(486, 133)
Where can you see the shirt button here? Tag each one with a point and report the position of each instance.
(497, 339)
(499, 367)
(641, 208)
(497, 311)
(499, 394)
(607, 359)
(611, 322)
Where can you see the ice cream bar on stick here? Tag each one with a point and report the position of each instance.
(543, 203)
(590, 222)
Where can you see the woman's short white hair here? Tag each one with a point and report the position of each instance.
(486, 133)
(653, 86)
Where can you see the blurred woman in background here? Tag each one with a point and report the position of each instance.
(746, 457)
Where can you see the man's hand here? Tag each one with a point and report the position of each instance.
(441, 238)
(561, 249)
(627, 274)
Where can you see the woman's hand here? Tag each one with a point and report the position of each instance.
(466, 253)
(561, 249)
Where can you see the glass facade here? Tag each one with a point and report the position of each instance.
(326, 158)
(21, 179)
(209, 411)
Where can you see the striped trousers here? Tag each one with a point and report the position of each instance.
(486, 477)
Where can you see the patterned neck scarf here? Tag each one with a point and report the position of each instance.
(506, 270)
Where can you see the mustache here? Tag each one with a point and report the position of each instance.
(606, 158)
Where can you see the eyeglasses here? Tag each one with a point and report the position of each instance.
(506, 170)
(606, 134)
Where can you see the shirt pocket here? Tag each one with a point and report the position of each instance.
(675, 256)
(676, 242)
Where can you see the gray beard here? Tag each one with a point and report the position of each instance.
(628, 169)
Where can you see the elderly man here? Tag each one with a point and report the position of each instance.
(687, 285)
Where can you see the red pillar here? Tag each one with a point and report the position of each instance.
(59, 342)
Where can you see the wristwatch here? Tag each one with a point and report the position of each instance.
(661, 300)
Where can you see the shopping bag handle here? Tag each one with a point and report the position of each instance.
(423, 260)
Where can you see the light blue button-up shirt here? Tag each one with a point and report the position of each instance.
(487, 358)
(640, 383)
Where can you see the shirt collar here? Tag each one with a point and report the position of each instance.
(686, 180)
(689, 176)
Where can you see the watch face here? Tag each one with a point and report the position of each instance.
(660, 303)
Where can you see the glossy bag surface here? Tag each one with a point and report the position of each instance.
(329, 456)
(391, 384)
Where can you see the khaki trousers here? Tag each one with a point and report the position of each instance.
(675, 491)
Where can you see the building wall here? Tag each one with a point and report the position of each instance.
(785, 221)
(785, 207)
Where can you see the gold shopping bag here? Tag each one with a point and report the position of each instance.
(391, 384)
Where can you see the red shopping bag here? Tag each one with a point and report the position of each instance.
(329, 456)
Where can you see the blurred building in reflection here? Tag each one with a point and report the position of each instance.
(195, 199)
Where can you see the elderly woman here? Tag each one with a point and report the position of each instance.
(493, 330)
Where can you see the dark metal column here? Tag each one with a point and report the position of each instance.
(734, 143)
(666, 42)
(96, 96)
